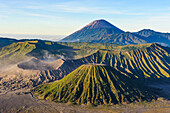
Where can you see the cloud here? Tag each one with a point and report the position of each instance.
(44, 9)
(39, 15)
(34, 36)
(72, 7)
(82, 9)
(162, 18)
(3, 16)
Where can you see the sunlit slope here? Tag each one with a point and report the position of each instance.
(15, 52)
(96, 84)
(139, 61)
(20, 51)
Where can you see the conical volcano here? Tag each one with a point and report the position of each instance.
(102, 24)
(93, 31)
(95, 84)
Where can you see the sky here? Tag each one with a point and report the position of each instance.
(63, 17)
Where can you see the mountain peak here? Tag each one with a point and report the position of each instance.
(100, 24)
(148, 30)
(93, 31)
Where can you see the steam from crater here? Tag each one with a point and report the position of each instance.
(51, 57)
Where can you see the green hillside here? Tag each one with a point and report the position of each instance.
(15, 52)
(20, 51)
(141, 61)
(145, 61)
(96, 84)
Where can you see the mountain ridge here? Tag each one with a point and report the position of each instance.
(146, 62)
(122, 39)
(147, 32)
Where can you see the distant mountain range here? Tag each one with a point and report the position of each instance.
(33, 36)
(101, 31)
(152, 36)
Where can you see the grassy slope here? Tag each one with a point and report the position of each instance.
(94, 84)
(22, 50)
(15, 52)
(141, 61)
(25, 50)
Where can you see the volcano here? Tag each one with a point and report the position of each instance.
(93, 31)
(94, 84)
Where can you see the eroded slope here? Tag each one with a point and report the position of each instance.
(96, 84)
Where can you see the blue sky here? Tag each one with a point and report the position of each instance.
(63, 17)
